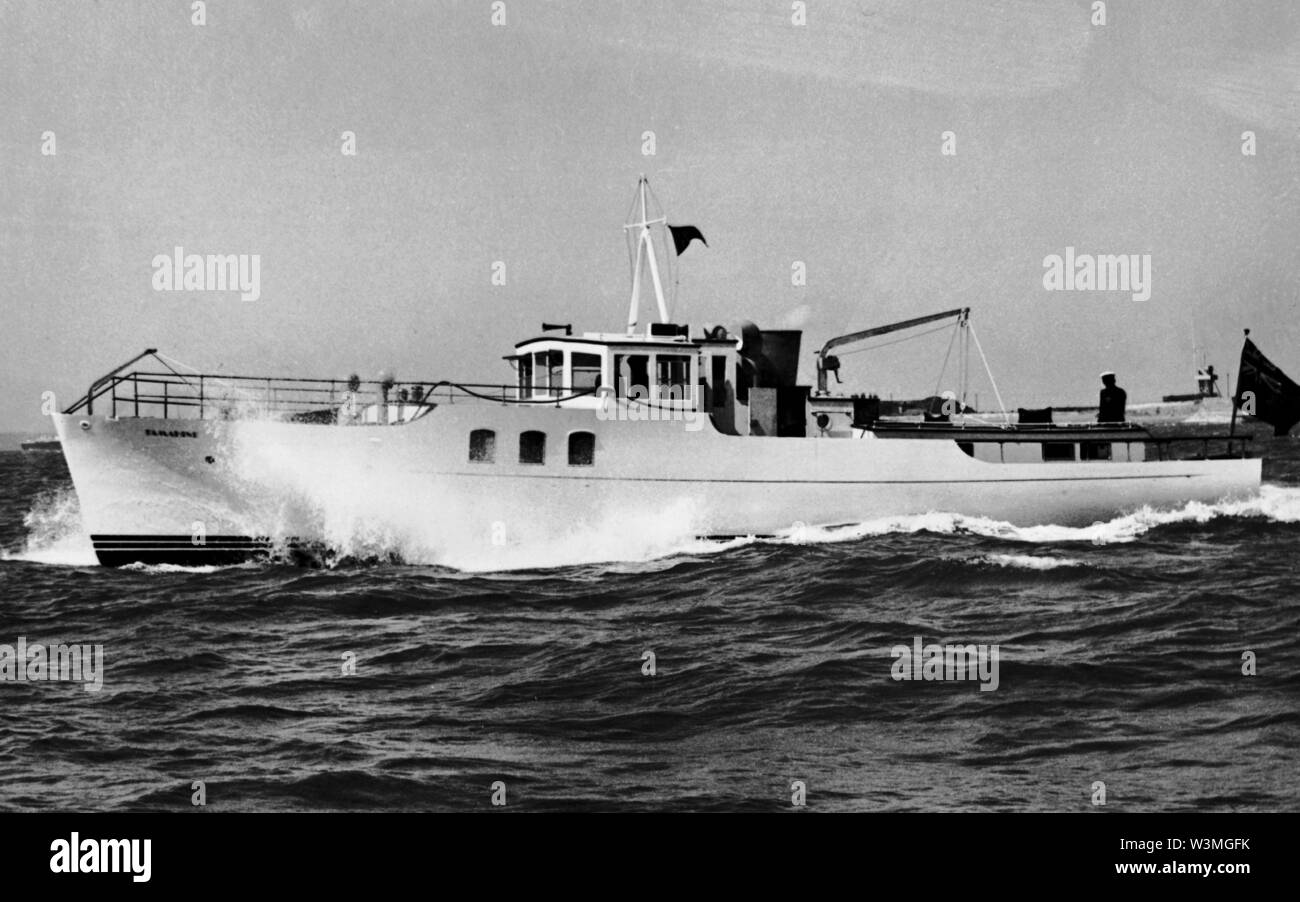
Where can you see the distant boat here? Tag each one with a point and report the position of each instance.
(1206, 405)
(45, 443)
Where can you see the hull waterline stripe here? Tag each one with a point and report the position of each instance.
(179, 540)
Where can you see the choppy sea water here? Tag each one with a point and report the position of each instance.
(1120, 661)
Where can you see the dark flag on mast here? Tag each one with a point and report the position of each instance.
(684, 235)
(1265, 392)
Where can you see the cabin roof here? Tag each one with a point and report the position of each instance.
(620, 339)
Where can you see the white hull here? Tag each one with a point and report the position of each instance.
(148, 492)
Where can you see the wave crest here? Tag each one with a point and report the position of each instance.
(55, 535)
(54, 532)
(1276, 504)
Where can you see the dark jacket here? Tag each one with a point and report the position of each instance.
(1111, 405)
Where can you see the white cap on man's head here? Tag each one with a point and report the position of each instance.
(1107, 373)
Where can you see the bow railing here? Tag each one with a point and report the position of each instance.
(175, 395)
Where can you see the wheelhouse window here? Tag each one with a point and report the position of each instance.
(632, 375)
(532, 447)
(673, 375)
(586, 372)
(548, 372)
(1058, 451)
(582, 449)
(482, 446)
(555, 374)
(525, 375)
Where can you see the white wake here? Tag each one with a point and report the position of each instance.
(54, 533)
(376, 525)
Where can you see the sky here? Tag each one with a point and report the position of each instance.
(521, 143)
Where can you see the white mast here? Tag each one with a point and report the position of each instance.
(645, 254)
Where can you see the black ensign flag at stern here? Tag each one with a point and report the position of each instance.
(1265, 392)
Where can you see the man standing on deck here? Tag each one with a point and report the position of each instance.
(1110, 405)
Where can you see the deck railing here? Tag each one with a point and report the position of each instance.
(174, 395)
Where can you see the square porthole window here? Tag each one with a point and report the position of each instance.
(532, 447)
(482, 446)
(582, 449)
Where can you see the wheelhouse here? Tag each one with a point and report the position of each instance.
(745, 383)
